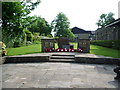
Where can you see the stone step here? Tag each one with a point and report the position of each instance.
(62, 57)
(26, 59)
(61, 60)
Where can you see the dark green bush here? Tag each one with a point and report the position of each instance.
(115, 44)
(36, 42)
(29, 43)
(17, 44)
(29, 35)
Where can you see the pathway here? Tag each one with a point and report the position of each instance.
(58, 75)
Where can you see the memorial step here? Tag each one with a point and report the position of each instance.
(62, 57)
(61, 60)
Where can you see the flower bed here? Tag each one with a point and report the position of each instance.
(63, 50)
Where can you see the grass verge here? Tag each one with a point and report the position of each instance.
(36, 48)
(98, 50)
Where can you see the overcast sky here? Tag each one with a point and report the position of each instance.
(81, 13)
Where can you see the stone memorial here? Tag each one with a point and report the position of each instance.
(47, 43)
(64, 43)
(85, 44)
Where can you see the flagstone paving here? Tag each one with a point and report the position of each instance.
(58, 75)
(64, 53)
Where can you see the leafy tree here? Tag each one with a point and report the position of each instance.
(61, 26)
(28, 21)
(105, 19)
(40, 25)
(13, 15)
(29, 35)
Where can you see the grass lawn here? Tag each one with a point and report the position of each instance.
(36, 48)
(98, 50)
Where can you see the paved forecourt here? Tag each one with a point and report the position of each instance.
(58, 75)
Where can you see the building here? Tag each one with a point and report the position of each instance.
(82, 34)
(109, 32)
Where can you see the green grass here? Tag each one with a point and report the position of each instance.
(75, 45)
(36, 48)
(98, 50)
(56, 45)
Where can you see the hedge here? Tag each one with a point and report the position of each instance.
(115, 44)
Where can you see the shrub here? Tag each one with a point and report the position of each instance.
(29, 35)
(107, 43)
(29, 43)
(36, 42)
(17, 44)
(50, 35)
(36, 37)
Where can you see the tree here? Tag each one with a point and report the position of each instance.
(40, 25)
(61, 26)
(105, 19)
(13, 14)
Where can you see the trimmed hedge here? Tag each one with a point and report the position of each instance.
(115, 44)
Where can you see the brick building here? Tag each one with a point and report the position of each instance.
(82, 34)
(109, 32)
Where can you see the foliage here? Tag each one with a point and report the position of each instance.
(13, 14)
(61, 26)
(50, 35)
(107, 43)
(36, 37)
(37, 42)
(29, 35)
(17, 44)
(105, 19)
(29, 43)
(28, 21)
(40, 25)
(24, 38)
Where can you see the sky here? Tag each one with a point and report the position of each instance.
(81, 13)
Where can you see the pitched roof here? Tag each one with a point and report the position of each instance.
(77, 30)
(113, 23)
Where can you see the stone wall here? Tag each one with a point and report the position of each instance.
(62, 41)
(47, 43)
(82, 36)
(108, 33)
(85, 44)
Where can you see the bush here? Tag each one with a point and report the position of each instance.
(36, 42)
(50, 35)
(29, 35)
(17, 44)
(36, 37)
(115, 44)
(29, 43)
